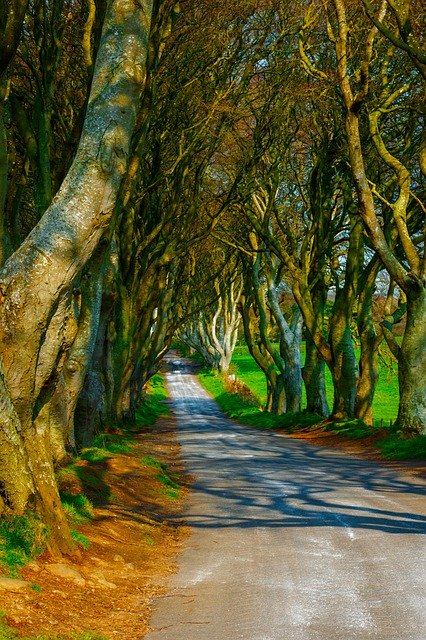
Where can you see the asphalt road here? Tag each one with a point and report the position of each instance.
(290, 541)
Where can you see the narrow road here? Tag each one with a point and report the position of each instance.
(290, 541)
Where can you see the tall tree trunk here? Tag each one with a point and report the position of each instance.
(408, 272)
(343, 372)
(93, 410)
(368, 376)
(313, 377)
(59, 411)
(16, 485)
(412, 368)
(277, 401)
(370, 338)
(4, 240)
(38, 276)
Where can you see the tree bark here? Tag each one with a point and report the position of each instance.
(313, 378)
(408, 272)
(38, 276)
(412, 368)
(12, 15)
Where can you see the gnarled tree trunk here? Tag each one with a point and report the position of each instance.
(39, 275)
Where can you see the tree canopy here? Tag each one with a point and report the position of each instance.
(206, 170)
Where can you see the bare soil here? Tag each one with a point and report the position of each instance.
(135, 537)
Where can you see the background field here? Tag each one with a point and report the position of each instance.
(385, 405)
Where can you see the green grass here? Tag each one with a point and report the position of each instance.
(153, 406)
(21, 539)
(78, 507)
(247, 412)
(394, 448)
(385, 405)
(106, 445)
(167, 478)
(391, 446)
(80, 538)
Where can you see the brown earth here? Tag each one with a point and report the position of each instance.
(362, 447)
(134, 538)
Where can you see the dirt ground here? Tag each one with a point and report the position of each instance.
(135, 537)
(363, 448)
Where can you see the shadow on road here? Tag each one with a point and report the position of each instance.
(260, 479)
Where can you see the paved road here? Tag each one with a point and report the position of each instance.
(290, 541)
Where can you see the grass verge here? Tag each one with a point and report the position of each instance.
(81, 485)
(21, 539)
(168, 479)
(153, 406)
(385, 405)
(388, 442)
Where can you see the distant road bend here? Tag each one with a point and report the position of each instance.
(290, 541)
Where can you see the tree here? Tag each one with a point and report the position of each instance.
(212, 326)
(395, 90)
(36, 283)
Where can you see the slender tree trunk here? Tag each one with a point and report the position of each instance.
(4, 242)
(408, 272)
(59, 411)
(277, 400)
(343, 372)
(93, 410)
(368, 377)
(412, 368)
(368, 368)
(314, 379)
(43, 184)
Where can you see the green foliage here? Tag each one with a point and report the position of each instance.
(245, 411)
(21, 538)
(385, 405)
(77, 480)
(80, 538)
(391, 447)
(351, 428)
(396, 448)
(94, 454)
(105, 445)
(165, 476)
(153, 406)
(149, 461)
(114, 442)
(183, 349)
(78, 507)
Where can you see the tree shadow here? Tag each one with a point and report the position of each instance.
(248, 478)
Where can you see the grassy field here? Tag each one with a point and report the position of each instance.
(385, 406)
(246, 410)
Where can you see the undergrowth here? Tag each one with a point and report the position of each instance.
(394, 448)
(153, 405)
(246, 408)
(21, 539)
(167, 478)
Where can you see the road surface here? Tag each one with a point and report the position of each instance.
(290, 541)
